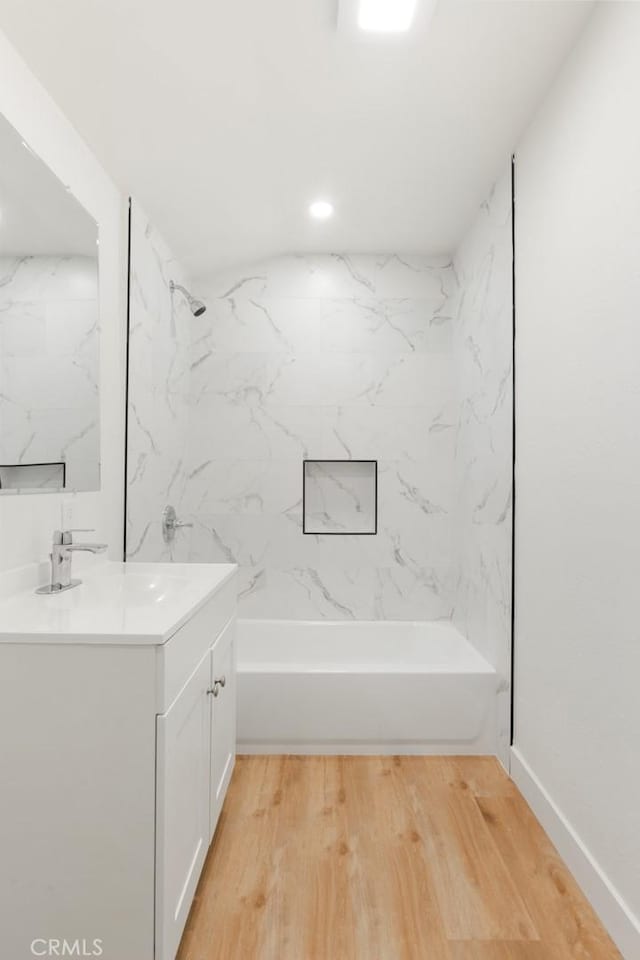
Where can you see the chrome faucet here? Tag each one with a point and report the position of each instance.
(62, 549)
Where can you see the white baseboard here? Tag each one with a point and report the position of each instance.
(359, 748)
(620, 922)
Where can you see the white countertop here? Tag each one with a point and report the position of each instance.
(119, 603)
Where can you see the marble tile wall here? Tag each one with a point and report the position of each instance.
(158, 400)
(483, 342)
(405, 360)
(326, 357)
(49, 356)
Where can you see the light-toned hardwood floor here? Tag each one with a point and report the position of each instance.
(385, 858)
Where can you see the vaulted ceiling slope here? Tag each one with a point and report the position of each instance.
(38, 216)
(225, 118)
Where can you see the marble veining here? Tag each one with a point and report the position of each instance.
(400, 359)
(159, 393)
(326, 358)
(340, 496)
(483, 448)
(49, 356)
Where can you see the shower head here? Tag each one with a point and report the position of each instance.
(197, 306)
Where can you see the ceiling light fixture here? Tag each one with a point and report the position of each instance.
(321, 210)
(386, 16)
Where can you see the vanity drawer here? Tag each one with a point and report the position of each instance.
(178, 657)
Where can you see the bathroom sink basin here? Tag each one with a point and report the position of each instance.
(136, 590)
(135, 603)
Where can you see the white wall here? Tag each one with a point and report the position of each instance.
(26, 522)
(483, 347)
(578, 464)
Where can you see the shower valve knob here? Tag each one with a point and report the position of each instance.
(170, 523)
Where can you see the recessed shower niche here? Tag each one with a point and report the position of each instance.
(340, 497)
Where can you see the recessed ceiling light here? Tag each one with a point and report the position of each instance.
(321, 210)
(386, 16)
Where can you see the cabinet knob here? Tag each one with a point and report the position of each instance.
(217, 685)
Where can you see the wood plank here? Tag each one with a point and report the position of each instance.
(404, 920)
(241, 870)
(478, 898)
(555, 901)
(499, 950)
(384, 858)
(479, 776)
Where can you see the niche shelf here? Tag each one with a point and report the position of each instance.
(340, 497)
(33, 476)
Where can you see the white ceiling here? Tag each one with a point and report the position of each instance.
(225, 118)
(38, 215)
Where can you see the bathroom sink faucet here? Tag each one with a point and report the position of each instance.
(62, 549)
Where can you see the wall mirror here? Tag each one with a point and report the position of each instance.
(49, 329)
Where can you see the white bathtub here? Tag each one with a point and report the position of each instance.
(362, 687)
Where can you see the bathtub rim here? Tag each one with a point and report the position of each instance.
(471, 663)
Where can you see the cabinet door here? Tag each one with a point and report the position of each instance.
(223, 719)
(182, 806)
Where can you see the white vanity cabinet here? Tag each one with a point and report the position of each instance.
(115, 755)
(222, 719)
(196, 749)
(182, 807)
